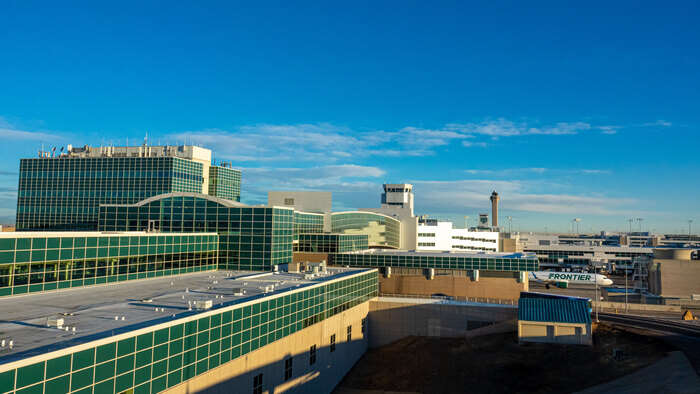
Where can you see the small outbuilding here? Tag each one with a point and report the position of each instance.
(565, 320)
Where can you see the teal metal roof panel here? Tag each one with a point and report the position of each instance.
(554, 310)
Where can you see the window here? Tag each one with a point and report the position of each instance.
(364, 324)
(287, 369)
(257, 384)
(312, 355)
(349, 333)
(332, 343)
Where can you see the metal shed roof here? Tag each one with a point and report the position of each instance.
(554, 310)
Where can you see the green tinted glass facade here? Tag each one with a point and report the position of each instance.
(225, 182)
(331, 243)
(382, 230)
(158, 357)
(249, 238)
(36, 264)
(307, 223)
(65, 193)
(493, 263)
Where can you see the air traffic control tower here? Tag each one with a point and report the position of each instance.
(494, 209)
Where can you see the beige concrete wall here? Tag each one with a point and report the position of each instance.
(674, 278)
(300, 257)
(455, 286)
(509, 245)
(563, 333)
(237, 376)
(391, 319)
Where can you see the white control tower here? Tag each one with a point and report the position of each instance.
(398, 195)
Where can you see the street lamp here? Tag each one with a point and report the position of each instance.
(597, 298)
(690, 222)
(626, 289)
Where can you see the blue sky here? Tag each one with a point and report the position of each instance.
(588, 112)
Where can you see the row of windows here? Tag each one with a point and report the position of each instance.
(381, 230)
(331, 243)
(68, 242)
(464, 247)
(446, 262)
(463, 238)
(38, 277)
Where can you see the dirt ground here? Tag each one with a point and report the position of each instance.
(497, 364)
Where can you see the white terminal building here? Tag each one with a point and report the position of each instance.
(437, 235)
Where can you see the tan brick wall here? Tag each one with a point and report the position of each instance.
(455, 286)
(237, 376)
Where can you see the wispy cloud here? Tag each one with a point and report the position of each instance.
(10, 132)
(328, 142)
(660, 123)
(535, 170)
(470, 144)
(449, 197)
(506, 128)
(609, 129)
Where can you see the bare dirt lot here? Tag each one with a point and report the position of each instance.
(497, 363)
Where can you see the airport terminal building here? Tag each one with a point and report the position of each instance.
(138, 270)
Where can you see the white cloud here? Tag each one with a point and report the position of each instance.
(451, 197)
(506, 128)
(328, 142)
(23, 135)
(534, 170)
(9, 131)
(469, 144)
(609, 129)
(661, 123)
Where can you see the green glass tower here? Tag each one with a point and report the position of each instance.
(250, 238)
(64, 192)
(225, 182)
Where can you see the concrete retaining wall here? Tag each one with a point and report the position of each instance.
(391, 319)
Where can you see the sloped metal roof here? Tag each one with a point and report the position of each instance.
(554, 310)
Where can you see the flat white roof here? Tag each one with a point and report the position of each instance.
(24, 318)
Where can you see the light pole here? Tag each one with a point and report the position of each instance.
(510, 224)
(466, 222)
(690, 222)
(630, 220)
(626, 289)
(640, 224)
(595, 277)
